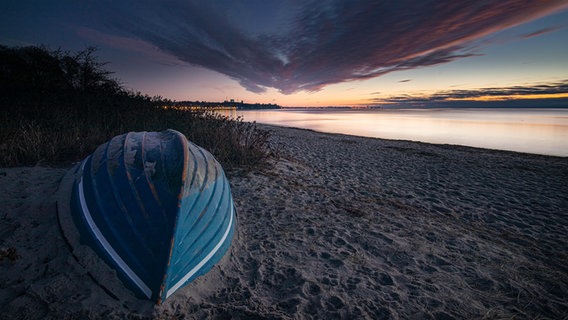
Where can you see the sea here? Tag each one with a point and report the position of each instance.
(537, 131)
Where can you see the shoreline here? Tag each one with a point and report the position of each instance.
(266, 126)
(336, 226)
(533, 131)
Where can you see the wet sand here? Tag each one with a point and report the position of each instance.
(336, 227)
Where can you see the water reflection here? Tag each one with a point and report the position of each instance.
(228, 112)
(540, 131)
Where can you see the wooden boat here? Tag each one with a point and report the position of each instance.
(156, 207)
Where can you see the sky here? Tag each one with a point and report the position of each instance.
(315, 53)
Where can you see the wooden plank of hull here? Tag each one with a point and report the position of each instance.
(156, 207)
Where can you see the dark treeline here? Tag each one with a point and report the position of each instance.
(57, 107)
(35, 78)
(43, 71)
(228, 104)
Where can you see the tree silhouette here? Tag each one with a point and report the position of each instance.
(34, 73)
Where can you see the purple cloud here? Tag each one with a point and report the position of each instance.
(540, 32)
(322, 42)
(450, 95)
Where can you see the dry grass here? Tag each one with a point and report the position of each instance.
(70, 135)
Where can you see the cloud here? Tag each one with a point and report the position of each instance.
(405, 80)
(548, 90)
(540, 32)
(323, 42)
(539, 89)
(134, 45)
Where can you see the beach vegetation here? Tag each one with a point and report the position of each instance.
(56, 107)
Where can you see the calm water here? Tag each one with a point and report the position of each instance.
(540, 131)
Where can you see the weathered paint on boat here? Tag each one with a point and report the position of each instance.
(155, 207)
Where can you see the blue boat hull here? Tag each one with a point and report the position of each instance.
(156, 208)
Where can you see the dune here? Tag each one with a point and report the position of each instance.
(335, 227)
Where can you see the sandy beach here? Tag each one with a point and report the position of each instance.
(335, 227)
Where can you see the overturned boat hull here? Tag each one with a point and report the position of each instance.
(157, 208)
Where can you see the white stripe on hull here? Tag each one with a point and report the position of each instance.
(106, 245)
(205, 260)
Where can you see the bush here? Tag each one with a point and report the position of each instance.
(56, 108)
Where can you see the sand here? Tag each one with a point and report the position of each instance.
(336, 227)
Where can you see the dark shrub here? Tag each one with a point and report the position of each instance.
(57, 107)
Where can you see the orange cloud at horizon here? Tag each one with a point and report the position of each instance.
(512, 97)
